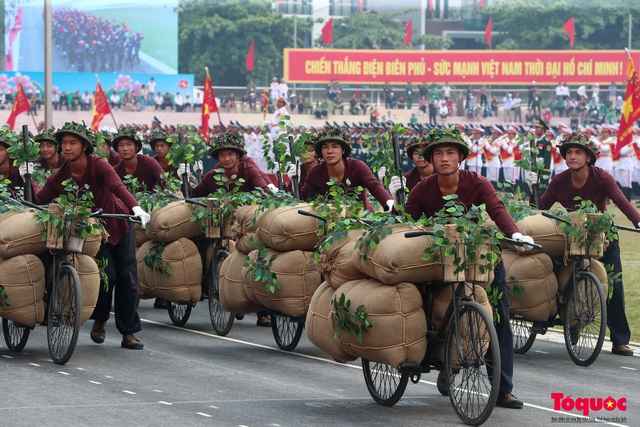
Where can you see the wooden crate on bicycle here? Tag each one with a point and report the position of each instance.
(219, 221)
(61, 233)
(452, 270)
(577, 234)
(596, 239)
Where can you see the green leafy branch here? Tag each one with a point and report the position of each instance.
(260, 267)
(153, 259)
(344, 322)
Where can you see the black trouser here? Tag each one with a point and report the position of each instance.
(122, 271)
(619, 331)
(503, 329)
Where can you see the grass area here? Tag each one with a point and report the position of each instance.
(158, 25)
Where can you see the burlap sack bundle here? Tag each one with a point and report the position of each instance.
(399, 332)
(245, 228)
(140, 235)
(546, 232)
(298, 279)
(319, 325)
(563, 273)
(441, 300)
(232, 294)
(144, 290)
(397, 259)
(336, 263)
(184, 282)
(284, 229)
(89, 275)
(20, 234)
(93, 242)
(24, 282)
(171, 222)
(533, 288)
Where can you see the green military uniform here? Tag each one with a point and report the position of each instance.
(409, 95)
(545, 151)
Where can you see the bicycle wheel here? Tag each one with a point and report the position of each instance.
(385, 384)
(221, 319)
(585, 319)
(523, 338)
(286, 331)
(15, 335)
(63, 320)
(472, 364)
(179, 312)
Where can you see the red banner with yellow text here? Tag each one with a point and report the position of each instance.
(456, 67)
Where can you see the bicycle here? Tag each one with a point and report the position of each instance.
(471, 363)
(582, 312)
(63, 290)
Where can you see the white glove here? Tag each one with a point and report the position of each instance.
(531, 179)
(272, 188)
(183, 169)
(382, 172)
(518, 237)
(390, 205)
(396, 184)
(293, 172)
(144, 217)
(25, 168)
(198, 166)
(638, 226)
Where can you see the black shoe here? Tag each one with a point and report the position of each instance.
(622, 350)
(131, 342)
(509, 401)
(264, 321)
(239, 316)
(574, 333)
(442, 384)
(161, 303)
(98, 332)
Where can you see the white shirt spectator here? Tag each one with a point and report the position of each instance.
(178, 101)
(446, 91)
(283, 89)
(275, 90)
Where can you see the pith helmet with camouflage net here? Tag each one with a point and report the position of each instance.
(577, 139)
(227, 141)
(334, 134)
(127, 133)
(441, 137)
(79, 130)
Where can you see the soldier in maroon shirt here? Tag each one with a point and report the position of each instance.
(146, 169)
(446, 150)
(109, 194)
(308, 160)
(103, 142)
(7, 170)
(50, 158)
(589, 182)
(161, 143)
(334, 147)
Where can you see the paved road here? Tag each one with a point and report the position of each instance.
(190, 376)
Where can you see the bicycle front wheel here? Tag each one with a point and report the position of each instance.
(179, 312)
(585, 319)
(472, 364)
(221, 319)
(286, 331)
(15, 335)
(523, 338)
(63, 319)
(385, 384)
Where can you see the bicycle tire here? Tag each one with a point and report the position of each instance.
(179, 312)
(473, 374)
(221, 319)
(15, 335)
(585, 319)
(286, 332)
(523, 338)
(385, 384)
(63, 318)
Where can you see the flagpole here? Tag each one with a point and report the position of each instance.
(110, 111)
(217, 109)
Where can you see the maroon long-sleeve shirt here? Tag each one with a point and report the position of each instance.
(148, 171)
(114, 158)
(356, 172)
(413, 178)
(44, 165)
(109, 193)
(600, 185)
(473, 189)
(252, 177)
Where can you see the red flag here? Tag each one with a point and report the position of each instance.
(487, 32)
(407, 36)
(249, 61)
(481, 4)
(100, 107)
(570, 28)
(431, 6)
(327, 32)
(359, 6)
(20, 105)
(630, 110)
(208, 106)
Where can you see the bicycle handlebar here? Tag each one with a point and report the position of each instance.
(620, 227)
(519, 243)
(552, 216)
(410, 234)
(188, 200)
(312, 214)
(124, 217)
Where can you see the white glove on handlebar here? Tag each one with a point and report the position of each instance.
(518, 237)
(382, 172)
(293, 172)
(396, 184)
(183, 169)
(390, 205)
(25, 168)
(198, 166)
(140, 213)
(272, 188)
(531, 179)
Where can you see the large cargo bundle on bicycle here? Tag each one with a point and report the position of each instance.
(20, 234)
(399, 326)
(140, 235)
(172, 222)
(546, 232)
(336, 263)
(176, 271)
(232, 293)
(284, 229)
(89, 275)
(563, 273)
(533, 286)
(245, 228)
(297, 278)
(396, 259)
(144, 290)
(319, 324)
(23, 279)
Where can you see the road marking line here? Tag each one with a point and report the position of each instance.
(80, 369)
(204, 415)
(34, 364)
(214, 407)
(6, 356)
(95, 382)
(157, 391)
(129, 392)
(107, 376)
(165, 403)
(541, 352)
(64, 373)
(630, 369)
